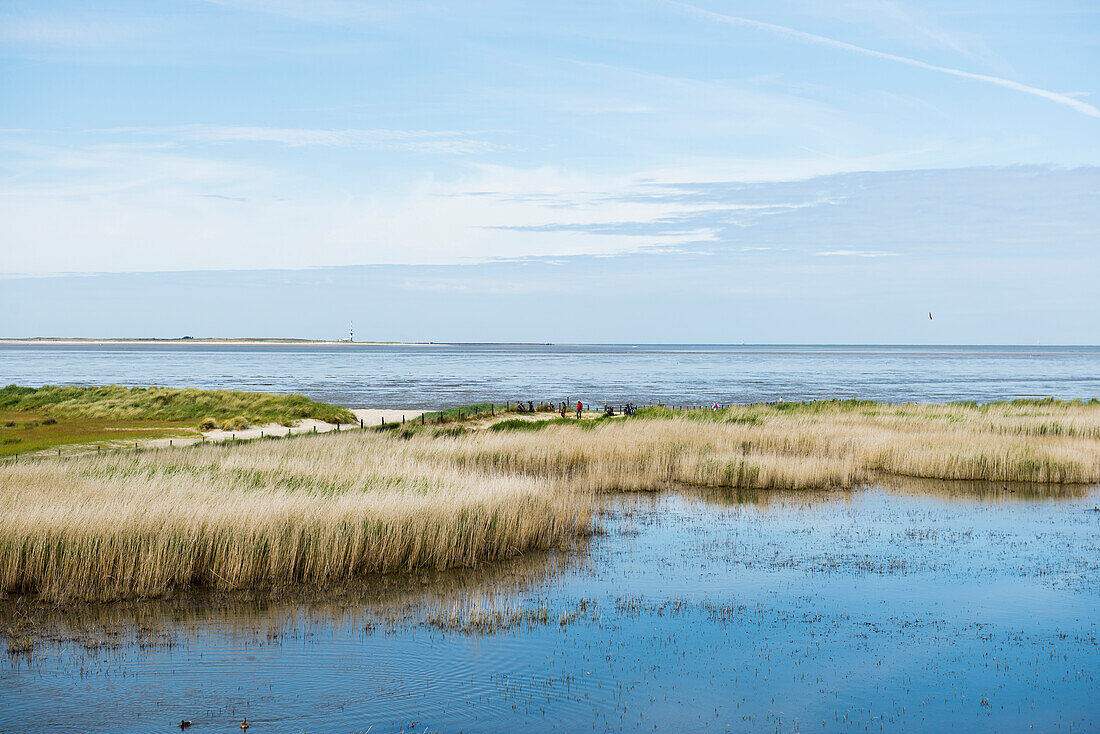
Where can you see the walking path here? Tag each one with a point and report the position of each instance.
(369, 416)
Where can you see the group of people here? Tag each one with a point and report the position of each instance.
(563, 406)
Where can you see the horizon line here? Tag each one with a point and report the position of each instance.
(307, 341)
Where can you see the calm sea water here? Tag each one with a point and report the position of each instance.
(440, 376)
(912, 607)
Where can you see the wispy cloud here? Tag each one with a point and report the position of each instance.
(70, 31)
(452, 142)
(1060, 98)
(317, 11)
(855, 253)
(894, 17)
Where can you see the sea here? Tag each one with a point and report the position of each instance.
(445, 375)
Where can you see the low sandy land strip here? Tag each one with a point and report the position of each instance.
(217, 342)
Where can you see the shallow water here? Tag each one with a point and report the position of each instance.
(912, 607)
(361, 376)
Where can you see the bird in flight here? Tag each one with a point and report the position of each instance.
(929, 315)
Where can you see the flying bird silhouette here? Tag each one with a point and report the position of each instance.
(929, 315)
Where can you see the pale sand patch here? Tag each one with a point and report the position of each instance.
(370, 417)
(374, 416)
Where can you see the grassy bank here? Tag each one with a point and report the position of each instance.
(466, 412)
(23, 432)
(33, 419)
(321, 508)
(117, 402)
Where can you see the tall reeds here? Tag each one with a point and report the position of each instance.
(803, 446)
(306, 510)
(325, 508)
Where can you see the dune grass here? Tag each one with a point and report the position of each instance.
(117, 402)
(317, 509)
(34, 419)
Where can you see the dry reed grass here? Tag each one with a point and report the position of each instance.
(798, 446)
(321, 509)
(311, 510)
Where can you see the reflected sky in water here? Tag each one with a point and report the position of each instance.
(911, 607)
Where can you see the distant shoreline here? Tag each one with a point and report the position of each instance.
(291, 341)
(221, 342)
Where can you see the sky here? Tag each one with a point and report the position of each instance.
(650, 171)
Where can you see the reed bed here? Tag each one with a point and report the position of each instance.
(326, 508)
(797, 446)
(306, 510)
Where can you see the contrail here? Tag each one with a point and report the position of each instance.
(1082, 107)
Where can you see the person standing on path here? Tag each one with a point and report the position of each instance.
(579, 409)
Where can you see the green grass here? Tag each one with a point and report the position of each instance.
(520, 424)
(117, 402)
(36, 419)
(23, 432)
(534, 424)
(465, 412)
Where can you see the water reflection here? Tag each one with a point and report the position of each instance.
(984, 492)
(909, 606)
(385, 602)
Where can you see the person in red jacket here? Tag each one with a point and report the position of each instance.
(579, 408)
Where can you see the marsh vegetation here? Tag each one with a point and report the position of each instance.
(325, 508)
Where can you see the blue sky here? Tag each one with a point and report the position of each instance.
(643, 171)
